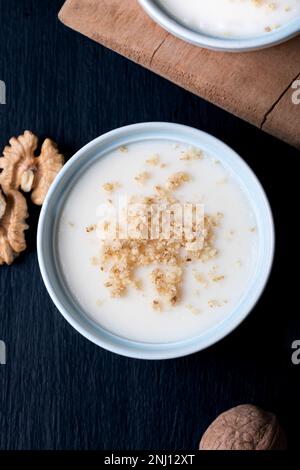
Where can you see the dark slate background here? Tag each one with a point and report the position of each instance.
(59, 391)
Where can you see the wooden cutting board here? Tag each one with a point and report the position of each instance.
(256, 86)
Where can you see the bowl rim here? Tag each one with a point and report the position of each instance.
(166, 21)
(143, 350)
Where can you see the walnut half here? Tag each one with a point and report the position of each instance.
(13, 213)
(245, 427)
(22, 169)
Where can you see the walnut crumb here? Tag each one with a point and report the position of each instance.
(154, 160)
(110, 187)
(218, 278)
(176, 180)
(94, 261)
(143, 177)
(200, 278)
(194, 310)
(156, 305)
(91, 228)
(214, 303)
(168, 283)
(192, 154)
(214, 275)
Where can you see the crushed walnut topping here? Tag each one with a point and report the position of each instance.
(122, 256)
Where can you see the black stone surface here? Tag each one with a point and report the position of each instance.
(59, 391)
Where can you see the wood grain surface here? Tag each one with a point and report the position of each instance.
(254, 86)
(58, 390)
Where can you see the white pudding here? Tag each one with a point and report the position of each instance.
(210, 286)
(233, 18)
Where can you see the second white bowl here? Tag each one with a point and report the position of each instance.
(160, 16)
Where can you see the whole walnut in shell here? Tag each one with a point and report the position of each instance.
(13, 213)
(245, 427)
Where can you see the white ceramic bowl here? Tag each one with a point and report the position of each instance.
(47, 238)
(218, 43)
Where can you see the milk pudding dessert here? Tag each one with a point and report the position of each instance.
(233, 18)
(157, 241)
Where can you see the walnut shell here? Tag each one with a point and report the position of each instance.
(245, 427)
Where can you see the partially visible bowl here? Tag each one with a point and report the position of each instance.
(166, 21)
(47, 239)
